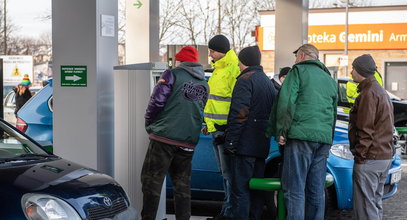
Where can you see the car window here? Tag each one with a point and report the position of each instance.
(342, 92)
(10, 100)
(13, 144)
(393, 97)
(7, 89)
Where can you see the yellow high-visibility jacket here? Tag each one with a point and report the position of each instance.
(221, 85)
(352, 87)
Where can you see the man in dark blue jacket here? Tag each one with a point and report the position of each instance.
(246, 142)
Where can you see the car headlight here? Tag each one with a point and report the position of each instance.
(342, 151)
(46, 207)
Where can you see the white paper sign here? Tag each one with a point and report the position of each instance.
(343, 60)
(394, 86)
(107, 26)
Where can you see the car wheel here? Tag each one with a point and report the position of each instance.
(270, 205)
(330, 199)
(403, 144)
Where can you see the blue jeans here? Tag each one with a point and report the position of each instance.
(247, 204)
(303, 179)
(223, 162)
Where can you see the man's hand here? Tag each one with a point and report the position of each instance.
(281, 140)
(205, 131)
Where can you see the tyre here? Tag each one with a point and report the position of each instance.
(270, 205)
(330, 199)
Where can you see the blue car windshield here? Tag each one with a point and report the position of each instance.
(16, 147)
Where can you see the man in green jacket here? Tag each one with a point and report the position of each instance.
(305, 118)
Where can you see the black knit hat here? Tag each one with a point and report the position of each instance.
(250, 56)
(219, 43)
(364, 65)
(284, 71)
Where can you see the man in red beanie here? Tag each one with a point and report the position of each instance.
(173, 121)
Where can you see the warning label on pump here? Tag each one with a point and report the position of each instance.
(74, 76)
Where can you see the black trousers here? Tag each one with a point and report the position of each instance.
(162, 158)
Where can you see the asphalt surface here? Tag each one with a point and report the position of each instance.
(395, 208)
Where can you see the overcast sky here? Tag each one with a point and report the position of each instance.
(26, 14)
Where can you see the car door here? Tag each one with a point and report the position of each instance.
(9, 108)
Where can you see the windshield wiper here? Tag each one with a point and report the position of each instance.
(29, 156)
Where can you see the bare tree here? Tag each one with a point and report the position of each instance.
(6, 28)
(264, 4)
(207, 15)
(39, 48)
(168, 18)
(189, 20)
(241, 19)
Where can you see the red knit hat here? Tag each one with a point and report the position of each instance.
(187, 54)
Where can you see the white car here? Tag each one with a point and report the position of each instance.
(9, 105)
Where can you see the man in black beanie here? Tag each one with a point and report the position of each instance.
(245, 142)
(364, 65)
(219, 43)
(221, 84)
(370, 137)
(281, 77)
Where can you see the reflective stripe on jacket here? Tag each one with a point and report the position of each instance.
(221, 85)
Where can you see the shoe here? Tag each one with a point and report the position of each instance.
(219, 217)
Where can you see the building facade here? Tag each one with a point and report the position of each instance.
(379, 31)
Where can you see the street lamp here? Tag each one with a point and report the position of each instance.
(345, 57)
(346, 35)
(5, 25)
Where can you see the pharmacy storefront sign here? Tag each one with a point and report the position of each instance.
(360, 36)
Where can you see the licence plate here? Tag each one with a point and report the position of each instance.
(395, 177)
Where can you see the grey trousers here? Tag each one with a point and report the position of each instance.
(368, 184)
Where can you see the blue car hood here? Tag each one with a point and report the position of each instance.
(84, 189)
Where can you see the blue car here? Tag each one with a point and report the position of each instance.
(38, 185)
(35, 117)
(206, 181)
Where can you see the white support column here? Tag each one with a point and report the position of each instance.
(84, 33)
(142, 31)
(291, 30)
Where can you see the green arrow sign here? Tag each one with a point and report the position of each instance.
(138, 4)
(74, 76)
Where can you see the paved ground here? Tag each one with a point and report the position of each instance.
(395, 208)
